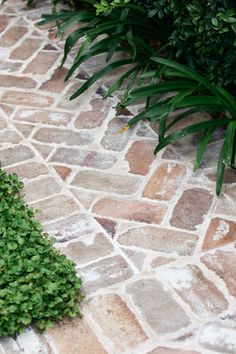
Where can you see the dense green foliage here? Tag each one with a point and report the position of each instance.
(199, 34)
(37, 284)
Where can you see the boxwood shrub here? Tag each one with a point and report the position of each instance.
(37, 284)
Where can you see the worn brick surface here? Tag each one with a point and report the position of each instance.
(130, 210)
(161, 311)
(111, 309)
(191, 208)
(154, 246)
(196, 290)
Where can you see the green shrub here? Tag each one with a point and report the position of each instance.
(37, 284)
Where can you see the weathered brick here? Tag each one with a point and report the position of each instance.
(16, 81)
(42, 63)
(222, 263)
(62, 136)
(90, 119)
(130, 210)
(105, 273)
(87, 249)
(12, 36)
(219, 337)
(63, 171)
(140, 156)
(85, 197)
(219, 233)
(4, 20)
(16, 154)
(26, 49)
(26, 99)
(161, 311)
(24, 129)
(161, 240)
(56, 83)
(137, 258)
(165, 350)
(83, 158)
(40, 189)
(42, 116)
(28, 170)
(10, 66)
(106, 182)
(55, 207)
(164, 183)
(10, 136)
(113, 140)
(108, 225)
(71, 227)
(44, 150)
(125, 331)
(74, 336)
(206, 299)
(188, 214)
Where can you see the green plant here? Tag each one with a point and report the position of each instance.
(191, 93)
(37, 284)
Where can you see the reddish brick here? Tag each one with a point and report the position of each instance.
(26, 49)
(219, 233)
(125, 332)
(164, 183)
(42, 63)
(63, 171)
(130, 210)
(42, 116)
(222, 263)
(16, 81)
(191, 209)
(12, 36)
(203, 297)
(4, 20)
(26, 99)
(57, 82)
(90, 119)
(140, 156)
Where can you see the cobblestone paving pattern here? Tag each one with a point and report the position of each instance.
(155, 247)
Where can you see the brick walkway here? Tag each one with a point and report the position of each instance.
(153, 244)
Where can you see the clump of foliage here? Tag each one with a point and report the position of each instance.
(37, 284)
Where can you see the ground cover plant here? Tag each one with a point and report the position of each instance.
(37, 284)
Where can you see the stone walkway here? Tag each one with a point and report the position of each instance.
(154, 245)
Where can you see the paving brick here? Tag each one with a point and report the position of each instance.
(130, 210)
(63, 171)
(41, 188)
(62, 136)
(16, 154)
(26, 49)
(105, 273)
(219, 233)
(55, 207)
(4, 20)
(16, 81)
(90, 119)
(188, 215)
(165, 350)
(87, 249)
(10, 136)
(84, 158)
(26, 99)
(161, 240)
(203, 297)
(137, 258)
(75, 336)
(56, 83)
(113, 140)
(71, 227)
(44, 150)
(12, 36)
(140, 156)
(221, 263)
(42, 116)
(159, 261)
(10, 66)
(125, 331)
(101, 181)
(161, 311)
(85, 197)
(42, 63)
(24, 129)
(28, 170)
(108, 225)
(164, 183)
(219, 337)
